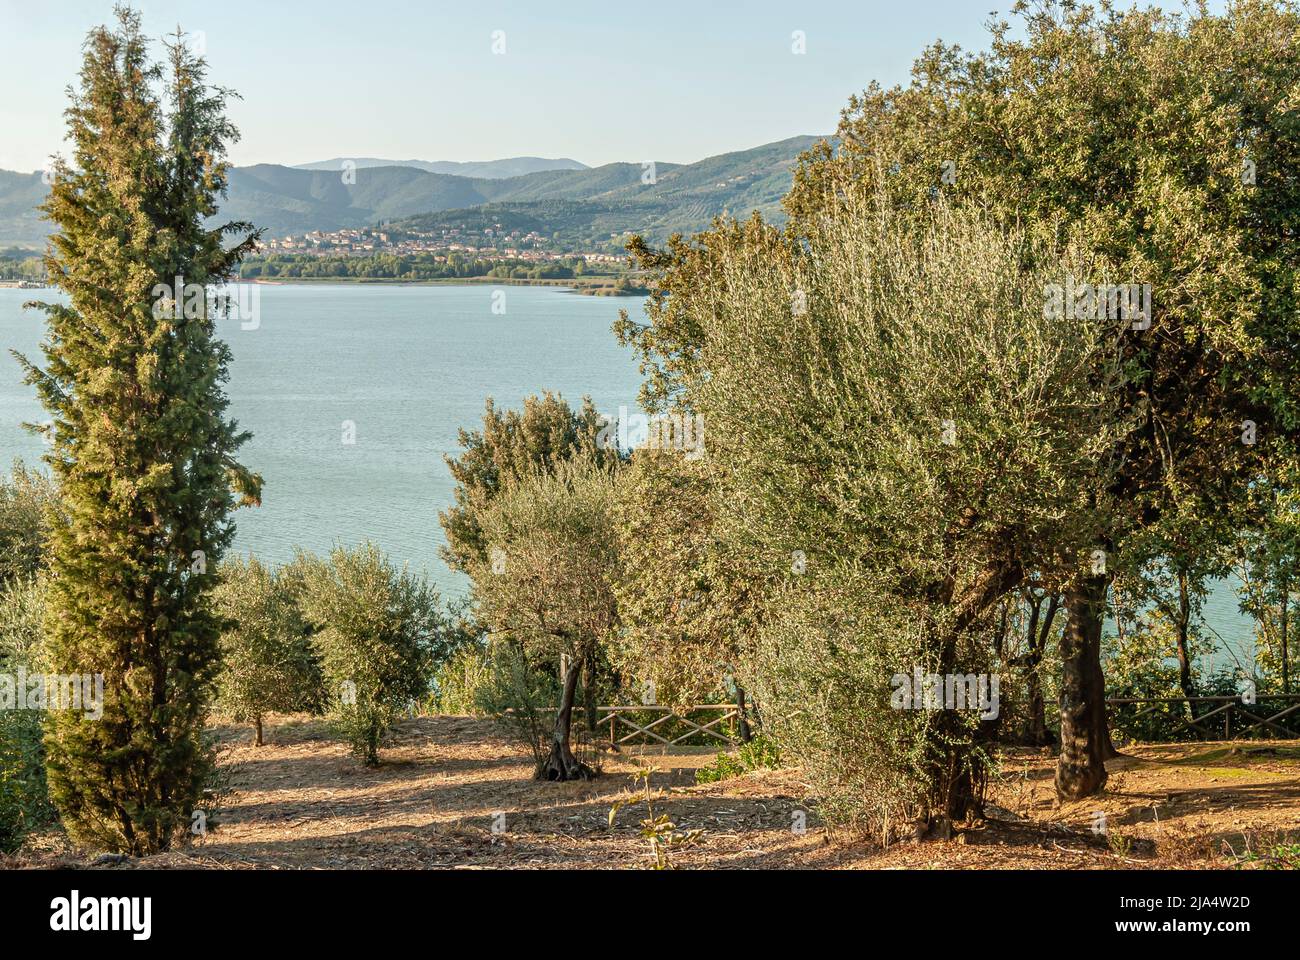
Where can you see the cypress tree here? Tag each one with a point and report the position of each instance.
(140, 442)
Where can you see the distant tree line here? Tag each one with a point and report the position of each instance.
(388, 266)
(17, 263)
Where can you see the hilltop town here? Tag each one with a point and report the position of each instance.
(492, 244)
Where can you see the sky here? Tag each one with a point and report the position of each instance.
(595, 81)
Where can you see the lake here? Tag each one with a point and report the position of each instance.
(407, 366)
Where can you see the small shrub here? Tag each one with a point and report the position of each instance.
(724, 767)
(379, 634)
(521, 698)
(761, 753)
(460, 680)
(657, 829)
(1277, 852)
(267, 660)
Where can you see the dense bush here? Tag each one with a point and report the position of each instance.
(24, 797)
(921, 440)
(379, 633)
(268, 663)
(825, 665)
(25, 501)
(459, 680)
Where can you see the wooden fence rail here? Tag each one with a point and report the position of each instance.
(623, 718)
(628, 723)
(1226, 708)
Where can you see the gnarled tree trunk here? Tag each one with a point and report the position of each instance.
(1085, 738)
(562, 764)
(1036, 733)
(1182, 617)
(589, 695)
(743, 721)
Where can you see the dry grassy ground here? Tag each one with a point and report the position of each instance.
(301, 801)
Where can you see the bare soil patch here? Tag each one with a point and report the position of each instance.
(301, 802)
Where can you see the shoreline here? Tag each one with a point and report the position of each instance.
(573, 285)
(567, 286)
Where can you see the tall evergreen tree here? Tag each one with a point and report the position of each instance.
(141, 445)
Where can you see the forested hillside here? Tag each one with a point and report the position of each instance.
(579, 204)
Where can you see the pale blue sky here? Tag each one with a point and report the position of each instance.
(596, 81)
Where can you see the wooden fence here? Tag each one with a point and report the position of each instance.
(1272, 716)
(627, 724)
(1219, 716)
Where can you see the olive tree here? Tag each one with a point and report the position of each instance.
(378, 633)
(1166, 144)
(546, 580)
(267, 660)
(927, 433)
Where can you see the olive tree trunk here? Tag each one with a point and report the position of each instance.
(742, 720)
(1085, 738)
(1036, 733)
(561, 764)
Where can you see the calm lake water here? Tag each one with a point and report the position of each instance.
(408, 365)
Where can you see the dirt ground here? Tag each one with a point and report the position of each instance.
(451, 793)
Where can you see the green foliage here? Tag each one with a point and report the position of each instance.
(1278, 855)
(725, 766)
(17, 263)
(1144, 664)
(24, 796)
(521, 697)
(1038, 129)
(657, 829)
(546, 578)
(512, 445)
(916, 470)
(26, 500)
(378, 633)
(825, 665)
(268, 663)
(760, 753)
(459, 680)
(1267, 563)
(141, 446)
(410, 267)
(686, 617)
(22, 620)
(1037, 134)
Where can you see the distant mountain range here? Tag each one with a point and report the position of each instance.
(582, 205)
(485, 169)
(20, 221)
